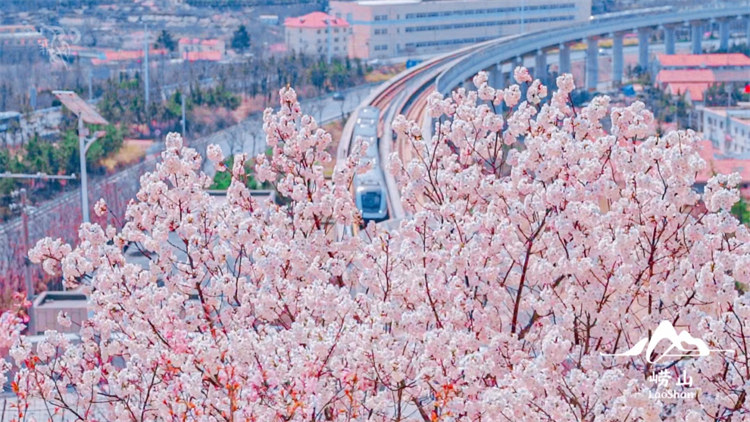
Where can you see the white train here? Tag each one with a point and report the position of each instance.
(369, 188)
(604, 17)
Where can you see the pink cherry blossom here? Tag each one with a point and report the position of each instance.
(521, 75)
(538, 241)
(100, 208)
(214, 153)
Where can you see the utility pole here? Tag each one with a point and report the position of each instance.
(91, 87)
(328, 39)
(21, 193)
(145, 67)
(32, 97)
(82, 132)
(182, 97)
(728, 138)
(25, 228)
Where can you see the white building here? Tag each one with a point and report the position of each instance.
(317, 34)
(728, 129)
(396, 28)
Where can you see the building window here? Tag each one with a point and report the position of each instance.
(381, 31)
(381, 47)
(497, 10)
(381, 17)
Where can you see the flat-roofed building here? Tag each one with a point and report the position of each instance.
(718, 163)
(317, 33)
(48, 305)
(728, 129)
(19, 42)
(397, 28)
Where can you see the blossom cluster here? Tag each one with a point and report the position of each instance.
(539, 241)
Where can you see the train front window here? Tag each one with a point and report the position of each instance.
(371, 202)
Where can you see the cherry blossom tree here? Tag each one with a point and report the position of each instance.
(538, 243)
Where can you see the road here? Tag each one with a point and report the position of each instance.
(248, 136)
(61, 216)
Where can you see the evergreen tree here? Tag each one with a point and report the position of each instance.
(165, 40)
(241, 39)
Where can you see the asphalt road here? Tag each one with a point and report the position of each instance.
(248, 136)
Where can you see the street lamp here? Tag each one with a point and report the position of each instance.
(85, 114)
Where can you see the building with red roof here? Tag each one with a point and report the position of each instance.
(693, 91)
(690, 82)
(115, 56)
(195, 49)
(717, 163)
(24, 36)
(693, 74)
(703, 61)
(317, 33)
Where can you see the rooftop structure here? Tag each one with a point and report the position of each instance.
(315, 20)
(269, 19)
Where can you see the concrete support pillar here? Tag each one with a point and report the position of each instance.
(669, 39)
(697, 37)
(724, 34)
(564, 58)
(540, 66)
(497, 77)
(643, 36)
(592, 63)
(618, 58)
(518, 61)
